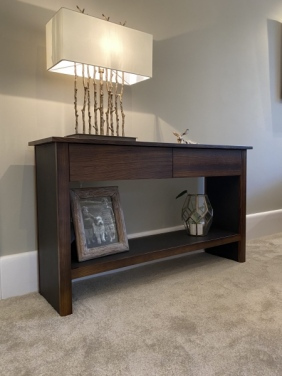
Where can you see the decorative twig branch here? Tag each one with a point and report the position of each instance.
(121, 105)
(101, 71)
(116, 105)
(84, 99)
(75, 99)
(112, 110)
(109, 104)
(88, 100)
(105, 18)
(95, 103)
(81, 10)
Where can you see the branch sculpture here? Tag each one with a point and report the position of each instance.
(116, 105)
(101, 71)
(96, 129)
(84, 98)
(88, 100)
(113, 82)
(75, 99)
(121, 106)
(109, 104)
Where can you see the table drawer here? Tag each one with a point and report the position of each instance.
(112, 162)
(203, 162)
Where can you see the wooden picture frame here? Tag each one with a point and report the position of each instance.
(98, 222)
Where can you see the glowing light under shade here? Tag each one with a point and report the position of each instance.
(73, 37)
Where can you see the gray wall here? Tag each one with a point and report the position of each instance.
(217, 71)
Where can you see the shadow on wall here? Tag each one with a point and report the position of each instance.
(207, 81)
(192, 77)
(274, 30)
(150, 204)
(17, 215)
(23, 65)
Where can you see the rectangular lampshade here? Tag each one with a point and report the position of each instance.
(92, 43)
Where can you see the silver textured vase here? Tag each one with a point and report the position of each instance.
(197, 214)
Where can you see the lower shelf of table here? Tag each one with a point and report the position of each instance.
(151, 248)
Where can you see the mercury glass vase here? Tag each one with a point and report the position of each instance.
(197, 214)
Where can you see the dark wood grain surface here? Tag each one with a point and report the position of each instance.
(53, 216)
(115, 162)
(152, 248)
(72, 140)
(61, 160)
(206, 162)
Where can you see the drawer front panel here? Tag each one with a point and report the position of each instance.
(111, 162)
(203, 162)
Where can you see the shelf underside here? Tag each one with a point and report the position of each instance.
(151, 248)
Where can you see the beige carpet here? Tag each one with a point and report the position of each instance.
(195, 315)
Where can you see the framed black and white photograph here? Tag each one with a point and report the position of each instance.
(98, 222)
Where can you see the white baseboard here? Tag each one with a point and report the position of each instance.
(19, 272)
(155, 232)
(263, 224)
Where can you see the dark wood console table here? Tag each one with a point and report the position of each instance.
(61, 160)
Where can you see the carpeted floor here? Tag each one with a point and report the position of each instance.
(198, 315)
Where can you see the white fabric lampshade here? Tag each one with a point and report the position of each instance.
(74, 37)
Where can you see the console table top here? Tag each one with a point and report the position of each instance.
(63, 160)
(73, 140)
